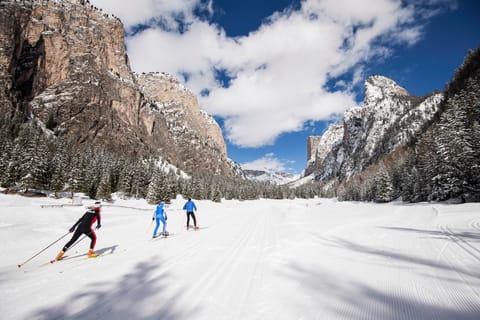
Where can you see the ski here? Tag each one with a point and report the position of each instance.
(194, 228)
(63, 258)
(56, 260)
(162, 236)
(78, 256)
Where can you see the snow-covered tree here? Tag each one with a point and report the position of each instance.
(104, 190)
(384, 191)
(157, 189)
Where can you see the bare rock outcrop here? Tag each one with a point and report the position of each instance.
(65, 64)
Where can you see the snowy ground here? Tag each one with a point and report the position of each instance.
(266, 259)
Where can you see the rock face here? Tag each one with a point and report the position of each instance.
(64, 63)
(194, 136)
(388, 118)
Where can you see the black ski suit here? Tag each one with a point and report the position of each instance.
(85, 227)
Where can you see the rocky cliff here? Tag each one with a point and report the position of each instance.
(64, 63)
(195, 137)
(387, 119)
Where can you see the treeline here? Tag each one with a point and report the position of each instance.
(32, 160)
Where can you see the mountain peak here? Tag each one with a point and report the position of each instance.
(386, 119)
(379, 87)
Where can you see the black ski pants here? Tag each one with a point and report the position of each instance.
(193, 217)
(88, 231)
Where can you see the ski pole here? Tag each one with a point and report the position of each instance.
(51, 244)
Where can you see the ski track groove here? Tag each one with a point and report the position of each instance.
(258, 270)
(419, 293)
(475, 224)
(241, 308)
(452, 298)
(461, 243)
(458, 296)
(452, 286)
(272, 236)
(190, 250)
(466, 246)
(216, 280)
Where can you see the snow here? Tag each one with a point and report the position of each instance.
(264, 259)
(379, 88)
(328, 141)
(278, 178)
(301, 181)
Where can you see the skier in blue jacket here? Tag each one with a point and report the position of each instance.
(160, 215)
(190, 207)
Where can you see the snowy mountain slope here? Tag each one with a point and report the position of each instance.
(388, 117)
(396, 146)
(278, 178)
(265, 259)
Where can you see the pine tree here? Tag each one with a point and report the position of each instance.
(59, 164)
(427, 162)
(474, 168)
(104, 190)
(455, 151)
(127, 178)
(5, 158)
(26, 143)
(384, 191)
(157, 189)
(171, 190)
(215, 194)
(77, 173)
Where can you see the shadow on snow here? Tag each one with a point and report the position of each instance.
(348, 299)
(137, 295)
(439, 233)
(400, 257)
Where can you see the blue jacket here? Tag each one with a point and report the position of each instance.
(190, 206)
(160, 211)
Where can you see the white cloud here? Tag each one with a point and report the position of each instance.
(280, 71)
(266, 163)
(138, 12)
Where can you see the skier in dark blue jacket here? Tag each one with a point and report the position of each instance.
(190, 207)
(160, 215)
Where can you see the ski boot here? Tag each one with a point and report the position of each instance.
(59, 255)
(92, 254)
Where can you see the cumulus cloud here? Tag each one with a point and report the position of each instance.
(278, 76)
(168, 13)
(266, 163)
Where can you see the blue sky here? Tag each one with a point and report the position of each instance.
(274, 72)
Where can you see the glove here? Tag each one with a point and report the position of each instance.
(153, 219)
(71, 229)
(166, 218)
(98, 226)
